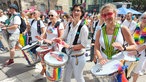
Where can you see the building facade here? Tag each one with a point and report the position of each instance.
(60, 6)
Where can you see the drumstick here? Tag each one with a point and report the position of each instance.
(56, 56)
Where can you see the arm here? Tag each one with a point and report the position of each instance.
(43, 30)
(129, 39)
(97, 53)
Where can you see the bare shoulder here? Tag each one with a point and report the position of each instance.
(125, 29)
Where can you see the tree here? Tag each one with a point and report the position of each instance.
(139, 4)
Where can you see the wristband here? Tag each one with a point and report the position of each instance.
(124, 48)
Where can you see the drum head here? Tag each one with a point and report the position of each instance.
(39, 49)
(107, 69)
(29, 46)
(127, 57)
(124, 56)
(52, 61)
(26, 47)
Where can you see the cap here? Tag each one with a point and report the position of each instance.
(14, 6)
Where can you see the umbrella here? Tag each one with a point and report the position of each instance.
(123, 10)
(134, 11)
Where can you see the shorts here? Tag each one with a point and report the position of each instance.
(13, 40)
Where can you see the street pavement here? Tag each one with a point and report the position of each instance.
(20, 72)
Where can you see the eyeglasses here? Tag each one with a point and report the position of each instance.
(76, 10)
(50, 15)
(107, 14)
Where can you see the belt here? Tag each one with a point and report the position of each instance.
(77, 55)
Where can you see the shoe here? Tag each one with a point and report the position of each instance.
(9, 62)
(38, 76)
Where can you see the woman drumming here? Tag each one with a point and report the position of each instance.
(54, 30)
(140, 39)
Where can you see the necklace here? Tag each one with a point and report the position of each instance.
(140, 35)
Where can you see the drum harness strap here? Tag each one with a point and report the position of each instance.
(76, 38)
(109, 49)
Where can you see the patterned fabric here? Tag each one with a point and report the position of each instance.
(139, 35)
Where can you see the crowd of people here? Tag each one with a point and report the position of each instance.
(109, 34)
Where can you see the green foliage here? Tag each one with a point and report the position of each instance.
(139, 4)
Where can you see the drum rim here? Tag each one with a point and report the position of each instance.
(55, 65)
(42, 50)
(103, 74)
(30, 46)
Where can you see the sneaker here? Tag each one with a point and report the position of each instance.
(38, 76)
(9, 62)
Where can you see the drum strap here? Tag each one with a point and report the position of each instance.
(109, 49)
(77, 33)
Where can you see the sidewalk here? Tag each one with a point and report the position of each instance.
(19, 72)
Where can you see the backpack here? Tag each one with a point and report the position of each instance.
(56, 26)
(22, 25)
(38, 26)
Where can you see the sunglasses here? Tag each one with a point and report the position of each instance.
(50, 15)
(144, 18)
(107, 14)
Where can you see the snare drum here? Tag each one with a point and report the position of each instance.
(54, 65)
(124, 56)
(30, 57)
(41, 52)
(107, 72)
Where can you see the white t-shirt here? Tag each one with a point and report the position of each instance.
(131, 25)
(3, 18)
(33, 29)
(83, 37)
(14, 20)
(54, 34)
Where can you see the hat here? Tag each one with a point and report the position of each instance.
(14, 6)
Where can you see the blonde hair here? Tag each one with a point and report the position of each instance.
(53, 12)
(109, 5)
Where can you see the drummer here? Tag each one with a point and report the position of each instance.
(140, 39)
(110, 38)
(53, 31)
(34, 30)
(75, 48)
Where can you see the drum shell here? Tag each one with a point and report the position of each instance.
(106, 78)
(30, 57)
(54, 70)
